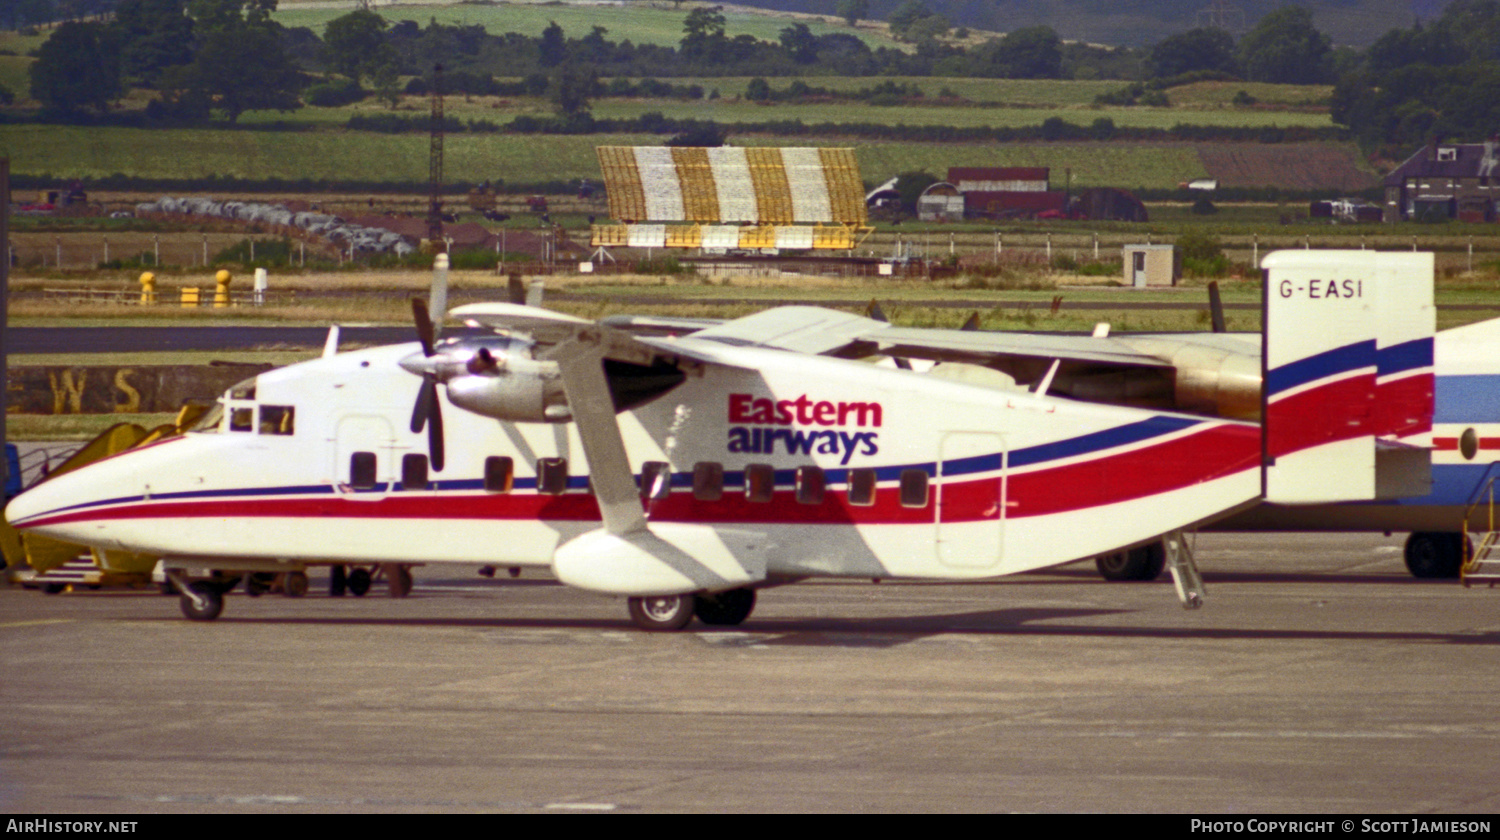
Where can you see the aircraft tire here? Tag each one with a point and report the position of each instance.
(662, 613)
(1434, 554)
(294, 585)
(338, 581)
(1142, 563)
(359, 582)
(206, 607)
(725, 609)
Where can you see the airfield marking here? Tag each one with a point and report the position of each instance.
(37, 622)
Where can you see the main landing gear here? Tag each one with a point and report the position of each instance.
(1144, 562)
(666, 613)
(358, 580)
(1432, 554)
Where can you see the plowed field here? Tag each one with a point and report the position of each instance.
(1292, 166)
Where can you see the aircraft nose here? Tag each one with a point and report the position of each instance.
(46, 507)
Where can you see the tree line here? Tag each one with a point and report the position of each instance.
(227, 56)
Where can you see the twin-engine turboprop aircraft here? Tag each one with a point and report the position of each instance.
(686, 465)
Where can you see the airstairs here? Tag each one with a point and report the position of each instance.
(1481, 560)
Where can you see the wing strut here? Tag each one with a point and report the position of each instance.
(580, 362)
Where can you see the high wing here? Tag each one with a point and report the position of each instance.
(1204, 373)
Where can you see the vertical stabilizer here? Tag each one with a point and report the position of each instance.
(1347, 363)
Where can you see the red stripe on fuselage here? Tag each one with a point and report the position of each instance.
(1215, 452)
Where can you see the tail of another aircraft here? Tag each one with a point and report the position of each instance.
(1348, 375)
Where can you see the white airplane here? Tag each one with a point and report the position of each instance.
(686, 465)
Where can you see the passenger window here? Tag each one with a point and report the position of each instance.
(499, 474)
(656, 480)
(413, 472)
(362, 470)
(276, 419)
(914, 488)
(862, 487)
(760, 482)
(552, 475)
(810, 485)
(708, 481)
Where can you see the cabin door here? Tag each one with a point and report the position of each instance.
(971, 500)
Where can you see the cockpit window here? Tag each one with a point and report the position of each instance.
(242, 419)
(277, 419)
(210, 420)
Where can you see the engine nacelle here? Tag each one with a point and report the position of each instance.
(1210, 380)
(526, 392)
(496, 376)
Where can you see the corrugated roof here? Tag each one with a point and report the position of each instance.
(998, 173)
(1424, 164)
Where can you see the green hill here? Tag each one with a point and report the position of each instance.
(1355, 23)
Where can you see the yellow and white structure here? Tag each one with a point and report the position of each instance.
(732, 198)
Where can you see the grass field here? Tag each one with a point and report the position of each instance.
(744, 111)
(640, 23)
(72, 152)
(15, 75)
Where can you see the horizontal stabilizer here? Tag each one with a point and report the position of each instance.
(1347, 361)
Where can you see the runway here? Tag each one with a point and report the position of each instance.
(1318, 678)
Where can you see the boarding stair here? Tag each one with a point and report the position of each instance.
(1481, 558)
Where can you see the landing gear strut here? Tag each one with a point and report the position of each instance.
(201, 601)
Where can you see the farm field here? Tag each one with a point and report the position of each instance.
(68, 152)
(640, 23)
(1059, 93)
(960, 116)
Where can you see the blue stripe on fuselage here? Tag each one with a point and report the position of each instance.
(1467, 399)
(1453, 485)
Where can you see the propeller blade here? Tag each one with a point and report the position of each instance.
(424, 325)
(426, 401)
(972, 324)
(439, 294)
(1216, 307)
(427, 411)
(435, 435)
(874, 311)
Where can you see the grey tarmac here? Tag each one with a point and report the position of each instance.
(1318, 678)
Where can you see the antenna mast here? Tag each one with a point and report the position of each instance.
(1221, 14)
(435, 164)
